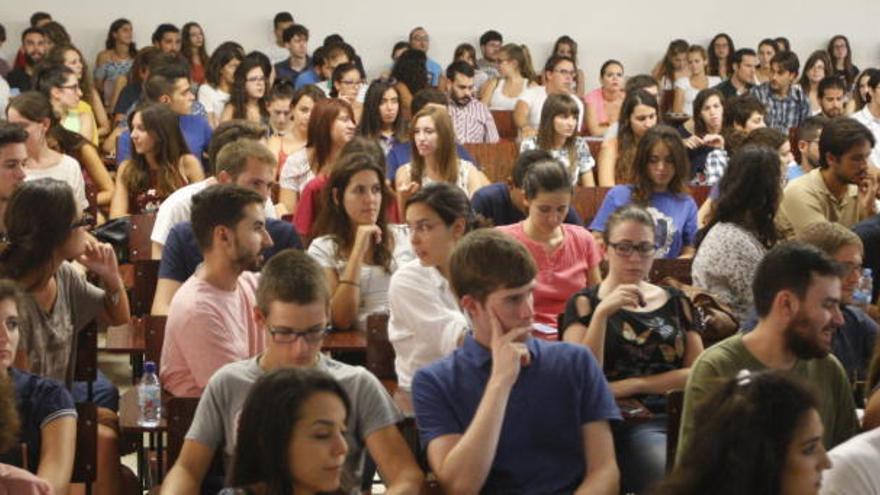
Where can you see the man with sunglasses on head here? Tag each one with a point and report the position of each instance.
(210, 320)
(292, 308)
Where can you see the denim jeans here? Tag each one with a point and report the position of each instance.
(641, 452)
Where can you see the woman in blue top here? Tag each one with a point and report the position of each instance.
(661, 171)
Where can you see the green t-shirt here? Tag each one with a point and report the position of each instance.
(725, 359)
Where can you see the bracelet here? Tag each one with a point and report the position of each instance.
(349, 282)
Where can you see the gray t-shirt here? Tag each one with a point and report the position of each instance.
(216, 418)
(48, 338)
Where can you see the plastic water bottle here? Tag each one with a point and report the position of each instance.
(865, 290)
(149, 397)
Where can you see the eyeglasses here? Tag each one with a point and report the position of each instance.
(312, 336)
(86, 220)
(73, 86)
(645, 249)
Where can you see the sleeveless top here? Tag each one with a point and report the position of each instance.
(464, 171)
(499, 100)
(109, 72)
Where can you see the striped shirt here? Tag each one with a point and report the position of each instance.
(783, 113)
(473, 122)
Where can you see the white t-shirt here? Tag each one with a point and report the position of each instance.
(276, 53)
(873, 124)
(213, 99)
(4, 96)
(426, 322)
(535, 97)
(690, 92)
(855, 466)
(66, 170)
(296, 171)
(177, 207)
(374, 280)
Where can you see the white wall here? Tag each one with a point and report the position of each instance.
(635, 32)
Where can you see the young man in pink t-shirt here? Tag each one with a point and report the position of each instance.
(210, 320)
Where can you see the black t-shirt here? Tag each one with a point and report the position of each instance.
(493, 203)
(19, 79)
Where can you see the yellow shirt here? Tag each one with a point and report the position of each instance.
(807, 200)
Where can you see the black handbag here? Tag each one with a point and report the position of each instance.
(115, 232)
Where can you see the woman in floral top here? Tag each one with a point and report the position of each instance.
(558, 135)
(645, 338)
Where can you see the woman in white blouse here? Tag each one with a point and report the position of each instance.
(686, 88)
(426, 323)
(355, 245)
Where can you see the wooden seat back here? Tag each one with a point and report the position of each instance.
(496, 159)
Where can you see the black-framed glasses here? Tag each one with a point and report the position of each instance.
(645, 249)
(281, 335)
(86, 220)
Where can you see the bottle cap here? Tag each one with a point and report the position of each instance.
(149, 367)
(867, 272)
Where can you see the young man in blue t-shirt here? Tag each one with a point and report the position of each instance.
(506, 412)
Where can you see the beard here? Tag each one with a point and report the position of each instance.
(802, 340)
(247, 261)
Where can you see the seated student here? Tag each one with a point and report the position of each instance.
(426, 322)
(816, 68)
(660, 178)
(870, 114)
(474, 407)
(558, 76)
(160, 165)
(245, 163)
(346, 84)
(566, 46)
(808, 146)
(644, 336)
(603, 103)
(703, 137)
(633, 84)
(247, 96)
(13, 156)
(471, 119)
(503, 203)
(219, 77)
(59, 84)
(853, 466)
(324, 60)
(639, 113)
(787, 104)
(412, 77)
(490, 47)
(282, 139)
(166, 38)
(767, 424)
(557, 134)
(566, 256)
(33, 111)
(832, 97)
(276, 51)
(41, 406)
(466, 53)
(296, 40)
(744, 62)
(673, 66)
(169, 84)
(419, 40)
(841, 190)
(686, 88)
(331, 125)
(294, 448)
(434, 157)
(210, 320)
(853, 341)
(292, 305)
(401, 153)
(382, 118)
(515, 75)
(742, 115)
(796, 291)
(90, 100)
(354, 244)
(740, 229)
(720, 54)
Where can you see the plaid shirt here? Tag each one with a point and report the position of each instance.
(713, 170)
(784, 113)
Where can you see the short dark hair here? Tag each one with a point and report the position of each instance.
(524, 161)
(12, 133)
(459, 67)
(789, 266)
(831, 82)
(219, 205)
(738, 109)
(555, 60)
(162, 80)
(294, 30)
(840, 135)
(640, 81)
(32, 30)
(281, 17)
(546, 176)
(38, 16)
(291, 276)
(873, 78)
(742, 52)
(425, 96)
(230, 131)
(161, 30)
(811, 128)
(787, 61)
(491, 35)
(487, 260)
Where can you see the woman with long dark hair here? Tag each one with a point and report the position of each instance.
(356, 246)
(741, 228)
(686, 88)
(557, 134)
(816, 68)
(760, 433)
(411, 74)
(160, 162)
(703, 136)
(192, 46)
(214, 94)
(346, 85)
(638, 113)
(382, 118)
(116, 59)
(673, 66)
(660, 176)
(841, 58)
(247, 100)
(766, 50)
(603, 103)
(721, 56)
